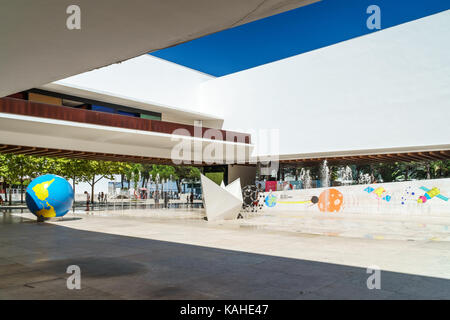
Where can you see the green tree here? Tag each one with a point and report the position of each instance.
(186, 173)
(334, 173)
(18, 170)
(129, 172)
(3, 171)
(136, 175)
(94, 171)
(73, 169)
(11, 172)
(440, 168)
(164, 172)
(122, 168)
(217, 177)
(145, 170)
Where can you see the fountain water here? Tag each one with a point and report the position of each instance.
(345, 175)
(157, 182)
(305, 177)
(325, 174)
(364, 178)
(170, 183)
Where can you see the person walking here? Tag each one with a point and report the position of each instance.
(156, 196)
(166, 200)
(87, 200)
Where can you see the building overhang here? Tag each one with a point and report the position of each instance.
(49, 130)
(39, 48)
(400, 154)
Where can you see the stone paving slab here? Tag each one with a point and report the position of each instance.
(151, 258)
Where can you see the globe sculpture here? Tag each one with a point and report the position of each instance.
(49, 196)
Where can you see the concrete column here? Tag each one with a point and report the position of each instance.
(246, 173)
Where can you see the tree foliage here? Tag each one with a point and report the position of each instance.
(19, 170)
(393, 171)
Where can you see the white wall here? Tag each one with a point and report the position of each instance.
(145, 78)
(395, 198)
(387, 89)
(101, 186)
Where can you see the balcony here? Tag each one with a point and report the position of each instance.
(28, 127)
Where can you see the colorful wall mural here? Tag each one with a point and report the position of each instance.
(431, 193)
(411, 197)
(271, 186)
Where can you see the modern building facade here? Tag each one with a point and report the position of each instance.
(380, 97)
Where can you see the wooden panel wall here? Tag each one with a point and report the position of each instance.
(36, 109)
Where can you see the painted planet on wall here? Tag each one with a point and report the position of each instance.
(330, 200)
(270, 201)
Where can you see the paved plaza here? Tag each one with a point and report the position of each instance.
(175, 254)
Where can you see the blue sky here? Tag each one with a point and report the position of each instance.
(294, 32)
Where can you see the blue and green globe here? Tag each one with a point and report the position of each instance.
(270, 201)
(49, 196)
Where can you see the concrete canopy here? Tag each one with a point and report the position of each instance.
(38, 48)
(28, 131)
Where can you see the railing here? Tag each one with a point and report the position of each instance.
(43, 110)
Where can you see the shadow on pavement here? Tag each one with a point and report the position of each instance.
(34, 259)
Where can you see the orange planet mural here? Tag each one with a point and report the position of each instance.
(330, 200)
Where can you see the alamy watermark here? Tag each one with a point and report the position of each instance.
(215, 146)
(374, 280)
(73, 21)
(374, 20)
(74, 280)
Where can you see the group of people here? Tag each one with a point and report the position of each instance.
(102, 197)
(165, 196)
(156, 195)
(190, 199)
